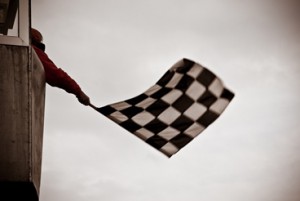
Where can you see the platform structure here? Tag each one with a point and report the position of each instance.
(22, 101)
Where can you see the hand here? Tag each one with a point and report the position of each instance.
(83, 99)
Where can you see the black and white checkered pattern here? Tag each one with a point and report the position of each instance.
(185, 101)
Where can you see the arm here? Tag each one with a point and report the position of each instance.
(58, 78)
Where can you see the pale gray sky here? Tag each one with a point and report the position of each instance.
(117, 49)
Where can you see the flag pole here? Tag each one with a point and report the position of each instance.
(93, 106)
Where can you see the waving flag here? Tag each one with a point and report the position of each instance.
(170, 114)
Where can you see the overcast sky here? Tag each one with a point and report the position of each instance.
(117, 49)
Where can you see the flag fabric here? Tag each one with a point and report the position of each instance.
(170, 114)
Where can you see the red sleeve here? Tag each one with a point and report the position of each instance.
(56, 76)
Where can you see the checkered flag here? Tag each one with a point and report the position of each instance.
(170, 114)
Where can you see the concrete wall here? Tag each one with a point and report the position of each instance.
(22, 97)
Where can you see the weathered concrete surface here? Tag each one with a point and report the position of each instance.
(37, 90)
(22, 96)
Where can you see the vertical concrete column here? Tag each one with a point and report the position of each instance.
(22, 97)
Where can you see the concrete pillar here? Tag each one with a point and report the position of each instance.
(22, 97)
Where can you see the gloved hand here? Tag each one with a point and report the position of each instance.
(83, 99)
